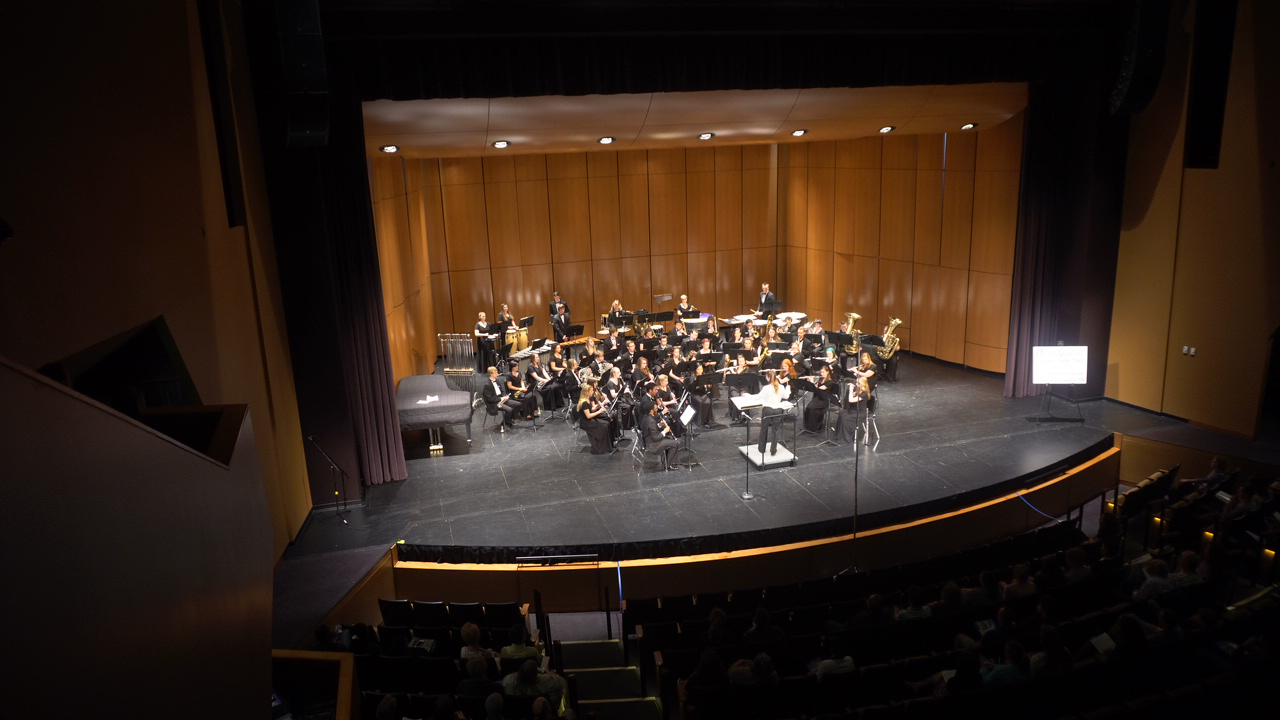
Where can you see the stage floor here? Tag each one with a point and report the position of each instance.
(945, 432)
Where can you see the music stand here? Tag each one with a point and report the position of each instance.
(574, 330)
(686, 417)
(526, 321)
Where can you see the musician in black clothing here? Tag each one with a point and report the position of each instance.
(627, 357)
(678, 333)
(497, 400)
(560, 323)
(504, 314)
(484, 341)
(522, 393)
(684, 308)
(657, 437)
(593, 418)
(539, 378)
(642, 378)
(816, 410)
(817, 334)
(617, 316)
(700, 397)
(555, 302)
(767, 299)
(613, 342)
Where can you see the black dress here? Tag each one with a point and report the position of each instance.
(850, 414)
(597, 430)
(817, 407)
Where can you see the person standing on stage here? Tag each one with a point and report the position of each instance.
(657, 437)
(767, 299)
(484, 341)
(555, 302)
(560, 323)
(773, 406)
(684, 308)
(504, 315)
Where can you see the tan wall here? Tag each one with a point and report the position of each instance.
(462, 235)
(917, 227)
(1201, 248)
(115, 196)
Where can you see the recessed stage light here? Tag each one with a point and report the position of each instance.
(501, 144)
(706, 136)
(887, 129)
(798, 133)
(968, 126)
(606, 140)
(389, 148)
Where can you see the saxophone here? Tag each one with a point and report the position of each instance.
(891, 341)
(851, 319)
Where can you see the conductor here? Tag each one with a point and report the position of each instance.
(767, 300)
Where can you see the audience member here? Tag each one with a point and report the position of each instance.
(916, 608)
(1156, 582)
(477, 682)
(951, 602)
(989, 592)
(1077, 565)
(1188, 571)
(1021, 586)
(875, 614)
(966, 679)
(758, 671)
(838, 662)
(529, 680)
(493, 706)
(1053, 658)
(520, 649)
(718, 634)
(470, 634)
(763, 630)
(1014, 670)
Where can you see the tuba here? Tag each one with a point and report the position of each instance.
(851, 319)
(891, 341)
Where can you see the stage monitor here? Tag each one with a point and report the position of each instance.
(1059, 364)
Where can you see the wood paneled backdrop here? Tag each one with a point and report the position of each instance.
(916, 227)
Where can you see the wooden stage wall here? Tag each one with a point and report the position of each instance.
(916, 227)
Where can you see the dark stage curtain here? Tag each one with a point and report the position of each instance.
(366, 351)
(1068, 229)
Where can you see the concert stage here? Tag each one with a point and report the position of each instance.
(948, 438)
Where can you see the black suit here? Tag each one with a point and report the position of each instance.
(496, 403)
(560, 326)
(766, 297)
(655, 442)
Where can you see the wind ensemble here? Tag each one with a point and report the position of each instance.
(638, 374)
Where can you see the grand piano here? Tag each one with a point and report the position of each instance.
(426, 402)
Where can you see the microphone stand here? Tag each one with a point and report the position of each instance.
(339, 479)
(853, 554)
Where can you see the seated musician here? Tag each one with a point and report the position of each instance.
(539, 378)
(802, 337)
(643, 377)
(832, 360)
(499, 401)
(559, 367)
(518, 390)
(736, 335)
(706, 348)
(817, 334)
(570, 380)
(614, 386)
(588, 351)
(484, 340)
(866, 369)
(750, 344)
(700, 397)
(816, 410)
(772, 409)
(673, 361)
(855, 395)
(788, 325)
(560, 324)
(593, 418)
(788, 371)
(597, 363)
(614, 341)
(670, 400)
(628, 356)
(739, 367)
(657, 437)
(678, 333)
(663, 346)
(684, 307)
(770, 335)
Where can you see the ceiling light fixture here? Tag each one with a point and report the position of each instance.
(798, 133)
(887, 129)
(501, 144)
(606, 140)
(968, 126)
(389, 148)
(706, 136)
